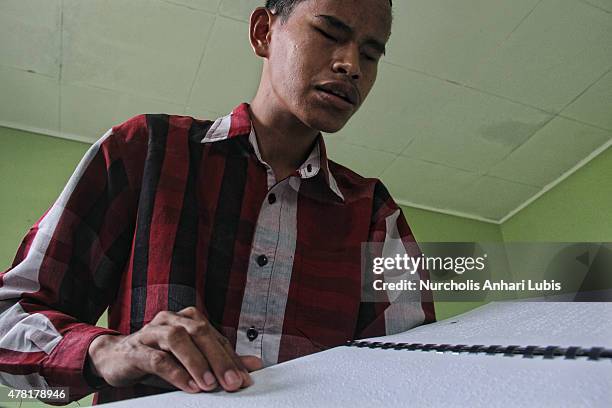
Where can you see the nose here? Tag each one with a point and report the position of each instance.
(347, 63)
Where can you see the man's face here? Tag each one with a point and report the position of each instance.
(323, 59)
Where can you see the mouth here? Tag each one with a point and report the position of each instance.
(340, 90)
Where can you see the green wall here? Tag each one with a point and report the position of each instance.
(578, 209)
(429, 226)
(33, 171)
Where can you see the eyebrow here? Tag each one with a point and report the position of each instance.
(342, 26)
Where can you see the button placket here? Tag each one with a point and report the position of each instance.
(260, 309)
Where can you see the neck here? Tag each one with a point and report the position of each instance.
(284, 141)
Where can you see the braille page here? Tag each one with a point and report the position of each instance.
(363, 377)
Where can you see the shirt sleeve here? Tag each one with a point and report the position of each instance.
(388, 312)
(67, 271)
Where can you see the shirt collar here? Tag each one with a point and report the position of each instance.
(238, 123)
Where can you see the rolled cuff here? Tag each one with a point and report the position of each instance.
(65, 366)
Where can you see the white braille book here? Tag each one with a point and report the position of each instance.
(504, 354)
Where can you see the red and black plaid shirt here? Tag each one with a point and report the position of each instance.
(166, 212)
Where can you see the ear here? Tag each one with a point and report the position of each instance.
(260, 31)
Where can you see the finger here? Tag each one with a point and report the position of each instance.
(177, 340)
(227, 367)
(251, 363)
(193, 313)
(229, 350)
(165, 316)
(168, 369)
(194, 328)
(222, 364)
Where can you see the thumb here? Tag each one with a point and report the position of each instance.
(251, 363)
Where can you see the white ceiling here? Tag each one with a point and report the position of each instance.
(480, 106)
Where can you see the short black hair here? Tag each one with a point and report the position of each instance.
(284, 7)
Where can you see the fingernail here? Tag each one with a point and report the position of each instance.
(231, 377)
(209, 379)
(193, 385)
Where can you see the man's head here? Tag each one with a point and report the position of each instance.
(320, 56)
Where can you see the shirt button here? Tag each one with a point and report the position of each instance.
(262, 260)
(272, 198)
(252, 333)
(309, 168)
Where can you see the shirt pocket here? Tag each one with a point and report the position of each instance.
(328, 295)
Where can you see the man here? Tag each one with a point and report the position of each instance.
(220, 247)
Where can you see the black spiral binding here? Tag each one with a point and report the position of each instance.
(547, 352)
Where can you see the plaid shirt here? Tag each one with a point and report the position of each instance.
(165, 212)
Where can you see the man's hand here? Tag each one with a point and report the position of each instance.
(182, 348)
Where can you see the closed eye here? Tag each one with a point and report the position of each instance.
(369, 57)
(326, 35)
